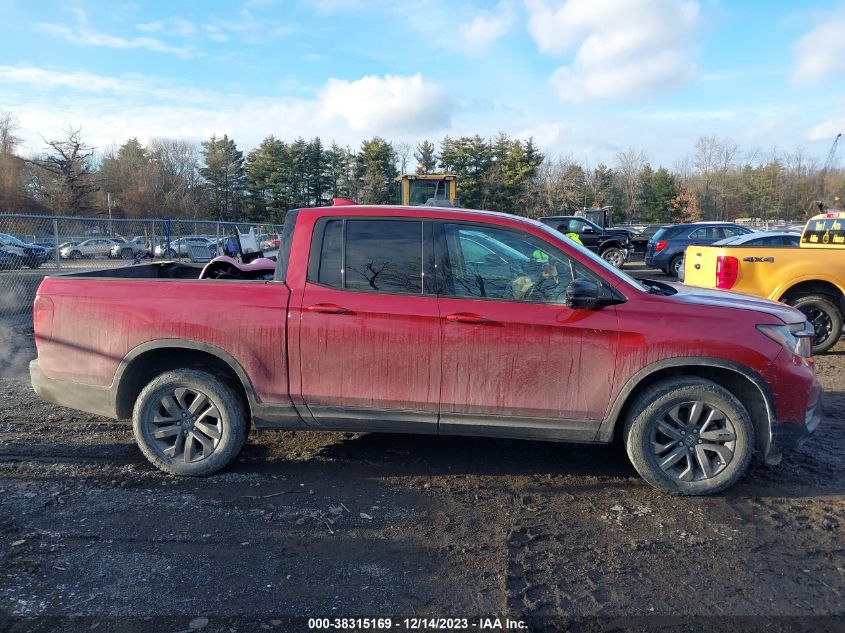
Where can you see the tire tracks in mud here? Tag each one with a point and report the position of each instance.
(546, 584)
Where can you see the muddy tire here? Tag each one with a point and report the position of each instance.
(188, 422)
(823, 314)
(689, 436)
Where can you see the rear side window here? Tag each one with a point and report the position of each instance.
(825, 231)
(382, 256)
(707, 233)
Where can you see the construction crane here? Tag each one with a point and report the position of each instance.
(828, 163)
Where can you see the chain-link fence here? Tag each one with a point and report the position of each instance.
(33, 246)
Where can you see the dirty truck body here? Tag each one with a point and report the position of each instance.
(436, 321)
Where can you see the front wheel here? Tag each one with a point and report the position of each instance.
(76, 255)
(614, 256)
(187, 422)
(824, 316)
(689, 436)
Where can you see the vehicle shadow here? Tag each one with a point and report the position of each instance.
(452, 455)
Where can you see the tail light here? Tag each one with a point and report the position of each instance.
(727, 271)
(42, 317)
(659, 246)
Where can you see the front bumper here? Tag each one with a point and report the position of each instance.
(787, 435)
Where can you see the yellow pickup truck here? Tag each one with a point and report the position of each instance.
(810, 277)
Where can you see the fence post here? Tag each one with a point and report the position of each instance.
(56, 245)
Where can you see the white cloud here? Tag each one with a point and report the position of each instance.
(170, 26)
(622, 48)
(485, 28)
(111, 109)
(82, 34)
(821, 51)
(380, 105)
(827, 130)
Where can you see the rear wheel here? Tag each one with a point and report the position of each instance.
(675, 265)
(689, 436)
(823, 314)
(614, 256)
(187, 422)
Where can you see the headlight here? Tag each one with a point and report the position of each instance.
(797, 338)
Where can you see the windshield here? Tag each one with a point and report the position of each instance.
(11, 239)
(595, 258)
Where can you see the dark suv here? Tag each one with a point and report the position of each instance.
(666, 249)
(611, 244)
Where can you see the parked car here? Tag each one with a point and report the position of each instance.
(6, 260)
(380, 319)
(810, 277)
(27, 254)
(179, 247)
(612, 245)
(50, 247)
(770, 238)
(639, 240)
(130, 248)
(96, 247)
(665, 250)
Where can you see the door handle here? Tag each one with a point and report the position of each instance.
(328, 308)
(472, 319)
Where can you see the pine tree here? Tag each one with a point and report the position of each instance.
(223, 171)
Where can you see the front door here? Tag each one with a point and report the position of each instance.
(369, 327)
(516, 361)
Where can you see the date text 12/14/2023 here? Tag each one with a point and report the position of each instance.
(417, 624)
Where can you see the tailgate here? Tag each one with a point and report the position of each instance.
(700, 266)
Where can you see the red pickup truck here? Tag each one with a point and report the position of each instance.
(424, 320)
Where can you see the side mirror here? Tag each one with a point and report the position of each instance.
(583, 294)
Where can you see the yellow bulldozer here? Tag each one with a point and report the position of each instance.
(432, 190)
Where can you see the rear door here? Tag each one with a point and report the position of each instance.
(516, 361)
(369, 326)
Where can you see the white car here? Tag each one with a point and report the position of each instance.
(96, 247)
(179, 247)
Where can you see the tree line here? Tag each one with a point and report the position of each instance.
(215, 179)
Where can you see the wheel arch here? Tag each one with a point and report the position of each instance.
(742, 381)
(148, 360)
(816, 286)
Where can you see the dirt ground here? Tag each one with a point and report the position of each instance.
(355, 525)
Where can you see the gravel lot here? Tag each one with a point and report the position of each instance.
(357, 525)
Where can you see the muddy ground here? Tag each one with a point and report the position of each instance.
(357, 525)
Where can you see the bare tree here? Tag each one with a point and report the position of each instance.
(629, 164)
(68, 180)
(8, 127)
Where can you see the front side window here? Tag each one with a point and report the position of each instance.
(491, 263)
(371, 256)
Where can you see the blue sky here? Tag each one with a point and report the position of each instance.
(585, 78)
